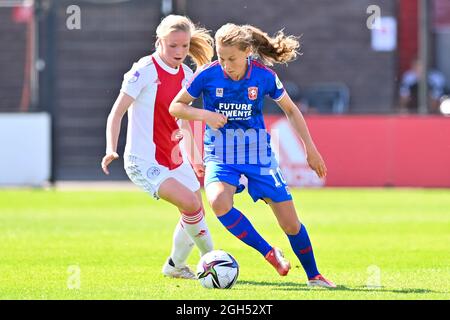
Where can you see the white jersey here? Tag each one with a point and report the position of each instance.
(151, 129)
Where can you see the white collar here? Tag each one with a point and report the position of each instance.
(163, 65)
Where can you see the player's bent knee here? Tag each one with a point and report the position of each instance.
(290, 228)
(191, 203)
(220, 205)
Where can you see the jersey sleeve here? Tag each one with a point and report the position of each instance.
(134, 81)
(188, 74)
(195, 85)
(275, 87)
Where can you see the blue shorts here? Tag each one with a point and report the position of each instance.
(262, 182)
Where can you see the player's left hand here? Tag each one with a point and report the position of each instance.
(199, 170)
(316, 162)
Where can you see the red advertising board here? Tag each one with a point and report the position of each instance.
(370, 150)
(364, 151)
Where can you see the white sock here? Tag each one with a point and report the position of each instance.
(181, 246)
(195, 226)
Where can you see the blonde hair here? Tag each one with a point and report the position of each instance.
(277, 49)
(201, 45)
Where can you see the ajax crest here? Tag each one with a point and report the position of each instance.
(153, 172)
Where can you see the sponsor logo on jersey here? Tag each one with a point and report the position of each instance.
(219, 92)
(253, 93)
(235, 111)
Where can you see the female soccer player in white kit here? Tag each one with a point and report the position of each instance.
(153, 158)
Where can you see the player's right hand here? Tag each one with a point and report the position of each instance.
(316, 162)
(199, 170)
(215, 120)
(107, 159)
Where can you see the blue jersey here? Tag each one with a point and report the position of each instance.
(243, 139)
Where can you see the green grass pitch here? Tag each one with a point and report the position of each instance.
(112, 244)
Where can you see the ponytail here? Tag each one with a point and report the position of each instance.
(270, 50)
(201, 47)
(277, 49)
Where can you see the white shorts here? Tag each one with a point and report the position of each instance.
(149, 176)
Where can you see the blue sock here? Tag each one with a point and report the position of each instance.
(240, 227)
(301, 245)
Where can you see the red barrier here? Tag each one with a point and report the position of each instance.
(373, 150)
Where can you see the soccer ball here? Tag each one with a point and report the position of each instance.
(217, 269)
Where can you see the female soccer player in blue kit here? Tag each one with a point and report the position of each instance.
(237, 143)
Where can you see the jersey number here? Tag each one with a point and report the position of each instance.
(277, 176)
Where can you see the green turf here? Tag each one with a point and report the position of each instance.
(118, 241)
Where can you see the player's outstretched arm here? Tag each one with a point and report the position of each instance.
(181, 109)
(123, 102)
(297, 121)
